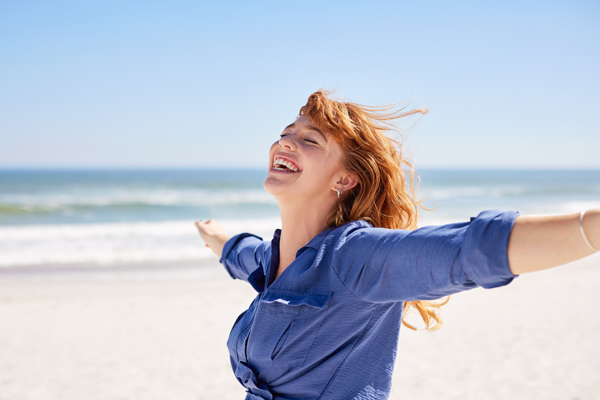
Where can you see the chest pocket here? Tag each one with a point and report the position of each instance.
(286, 325)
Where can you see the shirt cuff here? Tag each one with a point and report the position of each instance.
(229, 246)
(485, 250)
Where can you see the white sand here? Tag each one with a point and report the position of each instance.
(161, 335)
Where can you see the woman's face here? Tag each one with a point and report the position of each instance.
(304, 164)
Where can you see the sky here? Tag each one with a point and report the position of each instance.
(511, 84)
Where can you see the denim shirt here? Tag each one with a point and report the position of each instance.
(328, 326)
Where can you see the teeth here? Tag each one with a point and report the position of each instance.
(285, 163)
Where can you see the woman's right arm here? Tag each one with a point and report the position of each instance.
(213, 234)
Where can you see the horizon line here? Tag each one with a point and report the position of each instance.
(257, 168)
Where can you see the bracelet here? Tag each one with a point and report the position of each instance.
(585, 239)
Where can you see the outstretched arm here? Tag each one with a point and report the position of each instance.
(244, 256)
(213, 234)
(541, 242)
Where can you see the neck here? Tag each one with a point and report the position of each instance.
(299, 224)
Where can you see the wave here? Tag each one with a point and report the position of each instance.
(130, 200)
(124, 201)
(14, 209)
(507, 191)
(115, 243)
(126, 243)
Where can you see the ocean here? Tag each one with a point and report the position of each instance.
(118, 217)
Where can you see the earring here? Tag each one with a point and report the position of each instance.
(339, 192)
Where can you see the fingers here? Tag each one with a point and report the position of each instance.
(208, 228)
(200, 224)
(205, 228)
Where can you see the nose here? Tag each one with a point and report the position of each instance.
(287, 142)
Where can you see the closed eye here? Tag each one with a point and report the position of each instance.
(305, 139)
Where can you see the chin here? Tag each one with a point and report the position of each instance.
(275, 188)
(270, 186)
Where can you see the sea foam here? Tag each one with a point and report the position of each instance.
(115, 243)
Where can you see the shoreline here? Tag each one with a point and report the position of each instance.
(142, 271)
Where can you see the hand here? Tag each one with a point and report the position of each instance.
(213, 235)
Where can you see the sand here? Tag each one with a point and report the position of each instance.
(160, 333)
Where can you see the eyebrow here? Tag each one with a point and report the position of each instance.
(310, 127)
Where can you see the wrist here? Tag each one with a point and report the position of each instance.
(220, 244)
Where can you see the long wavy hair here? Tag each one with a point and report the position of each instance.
(386, 192)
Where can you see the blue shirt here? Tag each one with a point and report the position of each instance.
(328, 326)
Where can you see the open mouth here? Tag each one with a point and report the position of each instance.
(283, 165)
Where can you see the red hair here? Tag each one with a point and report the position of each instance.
(386, 192)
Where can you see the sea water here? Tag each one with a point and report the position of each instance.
(116, 217)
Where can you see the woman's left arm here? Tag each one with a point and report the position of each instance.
(541, 242)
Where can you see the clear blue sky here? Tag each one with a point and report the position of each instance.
(190, 83)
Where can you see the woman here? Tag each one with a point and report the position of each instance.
(335, 281)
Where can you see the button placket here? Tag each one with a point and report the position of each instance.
(242, 339)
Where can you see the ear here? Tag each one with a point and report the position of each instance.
(346, 181)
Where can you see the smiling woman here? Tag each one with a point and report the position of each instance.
(335, 281)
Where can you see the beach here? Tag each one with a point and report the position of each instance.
(159, 332)
(107, 291)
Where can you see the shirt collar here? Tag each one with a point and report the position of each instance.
(314, 243)
(317, 241)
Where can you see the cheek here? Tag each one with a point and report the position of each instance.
(273, 149)
(325, 161)
(335, 158)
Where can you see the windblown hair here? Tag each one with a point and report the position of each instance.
(386, 192)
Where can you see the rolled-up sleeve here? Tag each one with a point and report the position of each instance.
(383, 265)
(244, 257)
